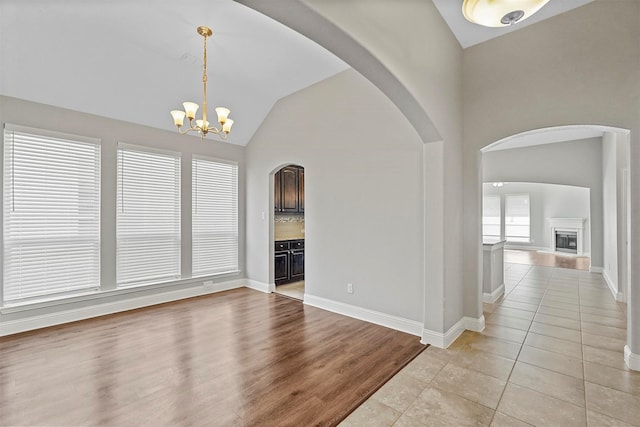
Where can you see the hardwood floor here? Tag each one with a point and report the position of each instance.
(234, 358)
(543, 259)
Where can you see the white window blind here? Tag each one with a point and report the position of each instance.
(148, 216)
(491, 216)
(517, 221)
(214, 217)
(51, 214)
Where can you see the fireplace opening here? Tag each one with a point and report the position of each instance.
(567, 241)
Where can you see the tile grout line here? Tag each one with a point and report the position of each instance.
(578, 283)
(517, 356)
(427, 384)
(584, 372)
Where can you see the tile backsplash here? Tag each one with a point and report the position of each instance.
(288, 227)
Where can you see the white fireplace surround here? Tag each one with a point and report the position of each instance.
(575, 225)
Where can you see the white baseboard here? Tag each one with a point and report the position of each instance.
(72, 315)
(631, 359)
(596, 269)
(260, 286)
(612, 287)
(398, 323)
(494, 296)
(443, 340)
(476, 325)
(440, 340)
(525, 248)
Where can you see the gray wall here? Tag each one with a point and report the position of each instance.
(547, 201)
(414, 43)
(110, 132)
(576, 163)
(363, 210)
(581, 67)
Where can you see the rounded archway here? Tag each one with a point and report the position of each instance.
(609, 184)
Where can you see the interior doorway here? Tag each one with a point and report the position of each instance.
(289, 235)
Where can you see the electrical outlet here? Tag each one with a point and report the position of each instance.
(208, 285)
(349, 288)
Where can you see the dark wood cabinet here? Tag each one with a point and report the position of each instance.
(289, 190)
(296, 265)
(281, 271)
(301, 190)
(277, 184)
(288, 261)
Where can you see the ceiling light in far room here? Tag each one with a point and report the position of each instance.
(202, 126)
(500, 13)
(498, 184)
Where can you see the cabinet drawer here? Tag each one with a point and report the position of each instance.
(281, 246)
(297, 244)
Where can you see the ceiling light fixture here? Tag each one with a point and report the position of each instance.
(498, 184)
(500, 13)
(202, 126)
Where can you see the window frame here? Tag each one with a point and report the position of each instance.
(499, 224)
(235, 266)
(84, 226)
(517, 238)
(119, 205)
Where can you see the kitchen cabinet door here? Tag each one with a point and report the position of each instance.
(301, 190)
(281, 270)
(297, 265)
(289, 190)
(277, 185)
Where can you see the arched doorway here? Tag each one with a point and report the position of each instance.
(537, 162)
(289, 231)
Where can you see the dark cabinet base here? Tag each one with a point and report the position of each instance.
(288, 261)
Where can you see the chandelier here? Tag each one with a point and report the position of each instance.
(202, 126)
(500, 13)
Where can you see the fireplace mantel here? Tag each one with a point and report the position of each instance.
(567, 224)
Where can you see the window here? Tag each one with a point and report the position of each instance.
(491, 216)
(51, 214)
(148, 216)
(214, 217)
(516, 221)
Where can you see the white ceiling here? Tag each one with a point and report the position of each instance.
(136, 60)
(469, 34)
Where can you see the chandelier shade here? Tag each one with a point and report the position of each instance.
(500, 13)
(202, 126)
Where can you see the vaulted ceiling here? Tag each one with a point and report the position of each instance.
(135, 60)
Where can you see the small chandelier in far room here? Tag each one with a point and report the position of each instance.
(500, 13)
(202, 126)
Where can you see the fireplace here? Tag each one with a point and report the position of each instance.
(567, 241)
(567, 235)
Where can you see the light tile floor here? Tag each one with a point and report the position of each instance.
(551, 355)
(293, 290)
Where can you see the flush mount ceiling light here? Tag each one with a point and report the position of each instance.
(202, 126)
(500, 13)
(498, 184)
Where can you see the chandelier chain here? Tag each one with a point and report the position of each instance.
(202, 127)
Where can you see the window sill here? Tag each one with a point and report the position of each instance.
(98, 294)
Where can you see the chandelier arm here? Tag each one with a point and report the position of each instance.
(219, 132)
